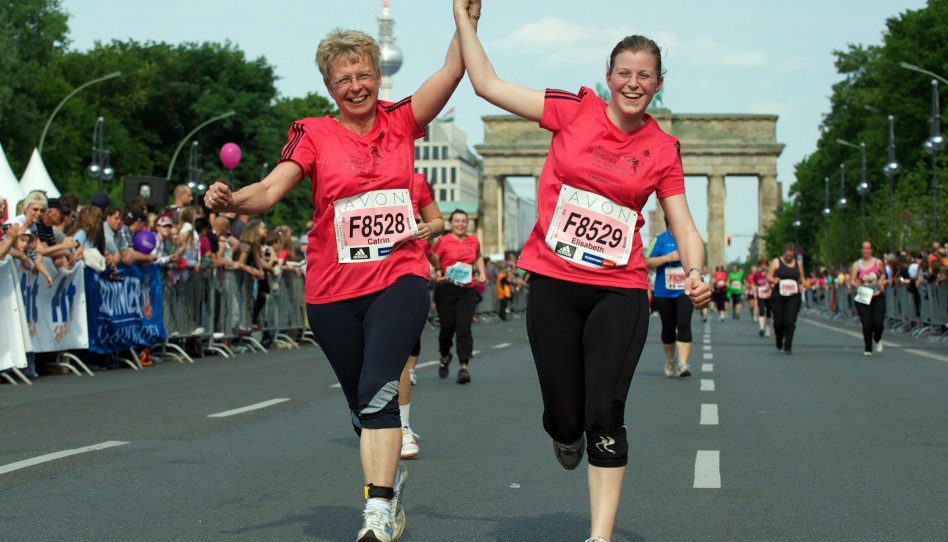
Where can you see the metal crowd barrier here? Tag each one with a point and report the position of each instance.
(926, 316)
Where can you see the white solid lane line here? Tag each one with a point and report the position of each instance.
(858, 335)
(707, 384)
(707, 367)
(502, 345)
(248, 408)
(58, 455)
(923, 353)
(426, 364)
(709, 414)
(708, 469)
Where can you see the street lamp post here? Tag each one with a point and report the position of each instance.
(195, 171)
(99, 167)
(933, 146)
(70, 95)
(796, 223)
(194, 131)
(890, 170)
(841, 204)
(863, 187)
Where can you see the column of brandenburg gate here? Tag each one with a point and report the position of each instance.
(712, 146)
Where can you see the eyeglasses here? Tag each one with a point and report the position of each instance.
(362, 78)
(164, 225)
(625, 76)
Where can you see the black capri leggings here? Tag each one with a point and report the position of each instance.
(675, 313)
(764, 308)
(872, 317)
(456, 311)
(367, 340)
(586, 342)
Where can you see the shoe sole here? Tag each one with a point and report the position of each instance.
(410, 455)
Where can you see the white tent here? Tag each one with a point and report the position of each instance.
(10, 189)
(37, 178)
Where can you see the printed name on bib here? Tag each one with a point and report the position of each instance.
(789, 287)
(369, 226)
(763, 292)
(675, 278)
(460, 273)
(590, 229)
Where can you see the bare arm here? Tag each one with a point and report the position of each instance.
(258, 197)
(434, 93)
(520, 101)
(432, 222)
(690, 247)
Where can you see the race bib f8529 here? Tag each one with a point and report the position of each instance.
(590, 229)
(370, 225)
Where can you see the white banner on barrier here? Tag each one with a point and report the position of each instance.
(14, 339)
(56, 316)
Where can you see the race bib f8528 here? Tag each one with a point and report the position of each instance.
(590, 229)
(370, 225)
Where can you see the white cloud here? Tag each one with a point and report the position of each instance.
(770, 107)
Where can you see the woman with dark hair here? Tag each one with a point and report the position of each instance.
(786, 278)
(760, 289)
(460, 268)
(587, 311)
(867, 276)
(719, 288)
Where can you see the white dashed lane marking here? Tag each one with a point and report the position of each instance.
(58, 455)
(707, 384)
(708, 469)
(249, 408)
(707, 367)
(709, 414)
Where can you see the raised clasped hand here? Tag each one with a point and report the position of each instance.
(218, 198)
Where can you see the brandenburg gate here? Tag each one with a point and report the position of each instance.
(712, 145)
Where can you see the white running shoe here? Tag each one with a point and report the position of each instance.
(376, 527)
(684, 369)
(669, 369)
(412, 377)
(879, 346)
(867, 354)
(409, 444)
(398, 514)
(767, 332)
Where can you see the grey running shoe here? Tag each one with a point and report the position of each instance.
(684, 369)
(669, 369)
(398, 513)
(570, 455)
(463, 376)
(377, 527)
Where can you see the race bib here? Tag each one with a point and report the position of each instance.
(460, 273)
(736, 285)
(590, 229)
(789, 287)
(371, 225)
(864, 294)
(764, 292)
(674, 278)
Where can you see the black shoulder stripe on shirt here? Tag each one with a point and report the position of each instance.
(396, 105)
(561, 95)
(298, 132)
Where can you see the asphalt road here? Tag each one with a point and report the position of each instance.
(823, 445)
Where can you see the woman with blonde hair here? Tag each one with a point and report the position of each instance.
(366, 289)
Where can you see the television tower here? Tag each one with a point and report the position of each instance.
(391, 54)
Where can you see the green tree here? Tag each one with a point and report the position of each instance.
(873, 87)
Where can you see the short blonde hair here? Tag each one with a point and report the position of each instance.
(35, 198)
(348, 45)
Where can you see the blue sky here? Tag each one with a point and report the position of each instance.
(729, 56)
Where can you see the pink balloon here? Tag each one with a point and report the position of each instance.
(230, 155)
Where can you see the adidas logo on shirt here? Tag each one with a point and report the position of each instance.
(565, 250)
(360, 253)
